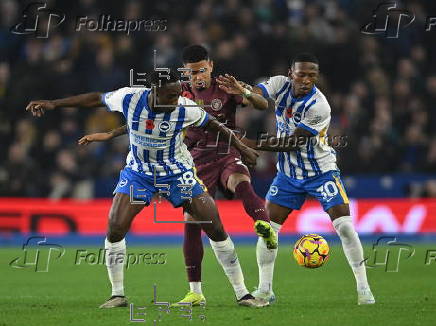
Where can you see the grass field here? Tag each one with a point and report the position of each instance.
(69, 294)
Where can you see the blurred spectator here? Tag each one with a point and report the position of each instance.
(382, 92)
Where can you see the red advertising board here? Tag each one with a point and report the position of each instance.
(90, 217)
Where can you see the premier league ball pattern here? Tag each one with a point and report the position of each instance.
(311, 251)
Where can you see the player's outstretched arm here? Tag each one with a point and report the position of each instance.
(103, 136)
(283, 144)
(88, 100)
(249, 155)
(230, 85)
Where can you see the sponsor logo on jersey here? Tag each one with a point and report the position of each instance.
(149, 142)
(164, 126)
(122, 183)
(216, 104)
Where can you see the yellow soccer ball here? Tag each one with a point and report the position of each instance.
(311, 251)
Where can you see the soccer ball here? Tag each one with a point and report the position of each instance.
(311, 251)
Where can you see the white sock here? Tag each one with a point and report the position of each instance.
(195, 287)
(265, 261)
(352, 249)
(115, 256)
(226, 256)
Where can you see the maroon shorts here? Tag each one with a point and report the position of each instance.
(216, 173)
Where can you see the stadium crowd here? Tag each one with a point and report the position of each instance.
(382, 91)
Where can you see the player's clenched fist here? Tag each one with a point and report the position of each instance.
(39, 107)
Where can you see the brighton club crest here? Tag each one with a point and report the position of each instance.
(164, 126)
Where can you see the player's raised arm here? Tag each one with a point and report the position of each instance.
(258, 90)
(88, 100)
(249, 155)
(270, 89)
(230, 85)
(103, 136)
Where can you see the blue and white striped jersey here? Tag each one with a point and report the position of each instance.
(156, 139)
(311, 112)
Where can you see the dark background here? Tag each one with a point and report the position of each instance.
(382, 91)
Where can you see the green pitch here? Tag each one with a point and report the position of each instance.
(68, 294)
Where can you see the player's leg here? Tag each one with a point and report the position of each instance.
(235, 177)
(203, 208)
(283, 196)
(343, 224)
(266, 257)
(120, 217)
(240, 185)
(193, 245)
(329, 190)
(193, 253)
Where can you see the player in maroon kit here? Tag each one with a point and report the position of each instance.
(218, 164)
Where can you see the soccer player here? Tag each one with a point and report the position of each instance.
(158, 156)
(306, 166)
(218, 165)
